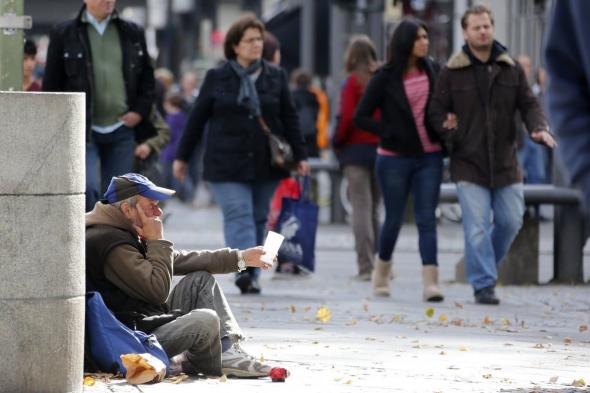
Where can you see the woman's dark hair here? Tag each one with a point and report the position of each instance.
(30, 49)
(236, 32)
(271, 45)
(402, 43)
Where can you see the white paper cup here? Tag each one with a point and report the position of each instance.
(271, 246)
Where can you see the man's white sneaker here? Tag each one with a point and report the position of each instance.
(235, 362)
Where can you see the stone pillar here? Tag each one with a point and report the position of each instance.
(42, 253)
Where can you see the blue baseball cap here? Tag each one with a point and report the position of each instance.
(131, 184)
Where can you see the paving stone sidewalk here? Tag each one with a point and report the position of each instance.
(535, 341)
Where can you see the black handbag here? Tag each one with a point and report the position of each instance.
(281, 153)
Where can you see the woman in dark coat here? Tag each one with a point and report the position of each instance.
(409, 157)
(237, 154)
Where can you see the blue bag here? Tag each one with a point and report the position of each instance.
(298, 222)
(107, 338)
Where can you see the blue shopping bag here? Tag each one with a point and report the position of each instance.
(107, 338)
(298, 222)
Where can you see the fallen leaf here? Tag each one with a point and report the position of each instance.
(452, 367)
(579, 383)
(396, 318)
(487, 376)
(538, 346)
(417, 346)
(464, 349)
(487, 320)
(177, 378)
(583, 328)
(553, 379)
(306, 309)
(457, 322)
(261, 358)
(319, 328)
(429, 312)
(505, 322)
(370, 338)
(458, 305)
(442, 318)
(323, 314)
(223, 378)
(567, 340)
(293, 308)
(352, 322)
(349, 382)
(89, 381)
(366, 307)
(442, 353)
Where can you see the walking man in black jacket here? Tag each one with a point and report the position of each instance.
(476, 97)
(100, 54)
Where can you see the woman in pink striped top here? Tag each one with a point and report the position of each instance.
(409, 156)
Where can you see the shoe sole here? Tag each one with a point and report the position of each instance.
(236, 373)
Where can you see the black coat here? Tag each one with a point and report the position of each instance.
(397, 127)
(236, 149)
(69, 68)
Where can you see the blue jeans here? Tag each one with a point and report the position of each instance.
(110, 153)
(491, 221)
(245, 207)
(397, 177)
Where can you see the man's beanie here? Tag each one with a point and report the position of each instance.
(131, 184)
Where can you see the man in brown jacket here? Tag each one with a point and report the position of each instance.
(476, 97)
(131, 264)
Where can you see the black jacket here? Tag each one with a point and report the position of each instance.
(236, 149)
(397, 128)
(69, 68)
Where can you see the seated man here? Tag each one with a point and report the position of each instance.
(131, 264)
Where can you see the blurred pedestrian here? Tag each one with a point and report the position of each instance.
(29, 64)
(409, 157)
(234, 99)
(307, 107)
(356, 150)
(104, 56)
(567, 54)
(477, 96)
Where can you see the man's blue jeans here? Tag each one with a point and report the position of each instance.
(492, 218)
(245, 207)
(397, 177)
(532, 160)
(110, 153)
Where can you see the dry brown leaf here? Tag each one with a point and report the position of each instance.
(352, 322)
(262, 358)
(457, 322)
(464, 349)
(442, 353)
(177, 378)
(89, 381)
(567, 340)
(487, 376)
(488, 321)
(293, 308)
(458, 305)
(583, 328)
(553, 379)
(538, 346)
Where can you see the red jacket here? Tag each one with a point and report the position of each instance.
(347, 133)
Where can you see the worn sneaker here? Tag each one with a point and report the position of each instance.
(235, 362)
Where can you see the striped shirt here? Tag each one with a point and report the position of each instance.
(416, 87)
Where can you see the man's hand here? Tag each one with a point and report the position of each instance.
(303, 168)
(131, 119)
(451, 123)
(179, 169)
(545, 138)
(142, 151)
(151, 227)
(252, 258)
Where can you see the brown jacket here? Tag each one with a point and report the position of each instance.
(483, 147)
(149, 278)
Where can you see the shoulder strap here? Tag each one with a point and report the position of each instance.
(263, 125)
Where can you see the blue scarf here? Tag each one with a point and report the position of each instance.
(247, 97)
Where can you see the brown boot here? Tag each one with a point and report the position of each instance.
(431, 292)
(380, 278)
